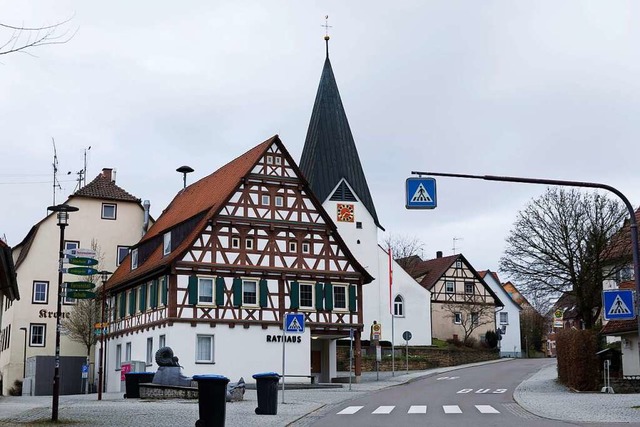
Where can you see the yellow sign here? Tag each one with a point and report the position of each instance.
(376, 331)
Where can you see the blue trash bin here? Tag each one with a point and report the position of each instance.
(267, 388)
(212, 400)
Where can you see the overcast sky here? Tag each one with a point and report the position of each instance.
(535, 89)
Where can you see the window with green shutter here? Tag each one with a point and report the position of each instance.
(193, 290)
(319, 296)
(143, 298)
(294, 296)
(132, 302)
(220, 291)
(237, 292)
(153, 294)
(328, 296)
(264, 292)
(123, 304)
(353, 303)
(165, 291)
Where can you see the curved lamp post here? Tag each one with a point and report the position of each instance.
(62, 212)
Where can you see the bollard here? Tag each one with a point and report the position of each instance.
(212, 400)
(267, 388)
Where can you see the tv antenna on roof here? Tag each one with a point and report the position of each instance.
(455, 239)
(184, 170)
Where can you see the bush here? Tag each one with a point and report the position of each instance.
(471, 342)
(577, 361)
(455, 341)
(16, 390)
(491, 338)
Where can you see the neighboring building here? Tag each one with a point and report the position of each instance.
(507, 318)
(110, 220)
(8, 293)
(331, 164)
(227, 259)
(461, 301)
(515, 294)
(627, 331)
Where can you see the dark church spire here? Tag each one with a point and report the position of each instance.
(330, 153)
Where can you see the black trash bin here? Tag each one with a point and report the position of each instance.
(212, 400)
(267, 388)
(133, 381)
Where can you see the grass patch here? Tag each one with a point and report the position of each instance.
(439, 343)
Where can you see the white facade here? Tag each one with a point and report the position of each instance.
(361, 236)
(507, 319)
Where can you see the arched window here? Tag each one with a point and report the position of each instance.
(398, 306)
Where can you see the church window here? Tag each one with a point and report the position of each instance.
(358, 225)
(398, 306)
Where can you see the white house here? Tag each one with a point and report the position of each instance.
(110, 220)
(507, 317)
(331, 164)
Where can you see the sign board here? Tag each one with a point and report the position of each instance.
(557, 318)
(80, 285)
(124, 370)
(406, 335)
(80, 271)
(86, 262)
(376, 332)
(80, 294)
(618, 304)
(378, 353)
(86, 253)
(421, 193)
(294, 322)
(85, 371)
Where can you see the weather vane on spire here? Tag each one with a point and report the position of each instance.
(326, 32)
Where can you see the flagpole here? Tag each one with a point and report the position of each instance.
(393, 329)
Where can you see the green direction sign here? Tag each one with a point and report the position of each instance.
(80, 271)
(80, 285)
(80, 294)
(83, 261)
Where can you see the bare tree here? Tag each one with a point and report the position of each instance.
(532, 327)
(19, 38)
(560, 243)
(406, 250)
(470, 316)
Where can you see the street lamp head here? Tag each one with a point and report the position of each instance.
(104, 275)
(63, 212)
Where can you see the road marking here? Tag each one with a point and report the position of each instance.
(451, 409)
(487, 409)
(418, 409)
(350, 410)
(383, 410)
(447, 378)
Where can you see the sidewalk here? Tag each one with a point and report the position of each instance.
(538, 394)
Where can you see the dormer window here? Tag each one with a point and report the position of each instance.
(166, 248)
(134, 259)
(109, 210)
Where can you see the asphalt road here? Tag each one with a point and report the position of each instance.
(477, 396)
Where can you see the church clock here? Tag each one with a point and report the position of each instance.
(345, 213)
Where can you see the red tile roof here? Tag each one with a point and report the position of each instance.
(618, 327)
(433, 269)
(103, 187)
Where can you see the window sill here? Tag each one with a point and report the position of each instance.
(205, 363)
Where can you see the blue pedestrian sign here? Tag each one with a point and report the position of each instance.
(421, 193)
(294, 322)
(618, 304)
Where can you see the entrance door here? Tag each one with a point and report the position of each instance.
(316, 361)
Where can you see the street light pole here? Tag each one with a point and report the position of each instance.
(24, 354)
(63, 217)
(633, 224)
(104, 274)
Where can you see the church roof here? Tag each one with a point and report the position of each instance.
(330, 153)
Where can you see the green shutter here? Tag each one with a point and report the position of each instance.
(165, 290)
(319, 296)
(143, 298)
(237, 292)
(132, 302)
(220, 291)
(294, 297)
(264, 292)
(193, 290)
(353, 304)
(328, 296)
(154, 294)
(123, 304)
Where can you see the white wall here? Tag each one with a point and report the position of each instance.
(630, 355)
(510, 345)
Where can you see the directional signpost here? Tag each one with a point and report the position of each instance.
(80, 285)
(84, 259)
(618, 304)
(421, 193)
(85, 262)
(80, 271)
(82, 253)
(80, 294)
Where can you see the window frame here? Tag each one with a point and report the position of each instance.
(127, 351)
(118, 249)
(149, 355)
(134, 258)
(200, 293)
(248, 243)
(269, 160)
(458, 263)
(244, 294)
(474, 318)
(457, 318)
(46, 292)
(211, 359)
(306, 247)
(115, 211)
(162, 341)
(277, 160)
(71, 244)
(453, 287)
(235, 242)
(506, 315)
(166, 243)
(44, 334)
(279, 201)
(118, 357)
(336, 287)
(265, 200)
(398, 305)
(473, 288)
(293, 246)
(313, 296)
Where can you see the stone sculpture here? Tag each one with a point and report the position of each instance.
(169, 371)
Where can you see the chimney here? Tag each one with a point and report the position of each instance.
(106, 172)
(439, 254)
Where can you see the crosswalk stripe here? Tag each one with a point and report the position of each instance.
(487, 409)
(418, 409)
(383, 410)
(451, 409)
(350, 410)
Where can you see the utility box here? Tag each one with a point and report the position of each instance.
(130, 366)
(40, 371)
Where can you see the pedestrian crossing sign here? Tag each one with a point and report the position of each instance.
(294, 322)
(618, 304)
(421, 193)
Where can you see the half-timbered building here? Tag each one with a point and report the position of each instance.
(331, 164)
(462, 304)
(230, 255)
